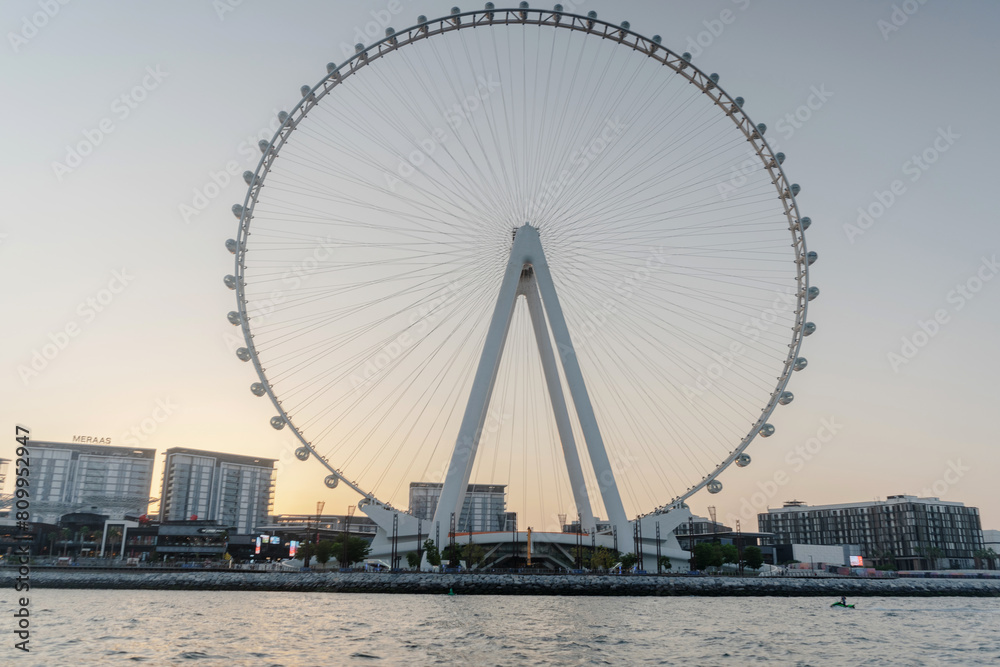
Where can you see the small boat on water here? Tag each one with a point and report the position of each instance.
(841, 604)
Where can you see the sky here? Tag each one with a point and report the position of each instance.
(123, 119)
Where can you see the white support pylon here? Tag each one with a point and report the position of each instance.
(529, 288)
(528, 272)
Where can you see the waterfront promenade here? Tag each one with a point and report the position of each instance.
(502, 584)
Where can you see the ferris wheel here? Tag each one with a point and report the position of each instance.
(420, 189)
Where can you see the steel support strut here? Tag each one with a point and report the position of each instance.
(527, 273)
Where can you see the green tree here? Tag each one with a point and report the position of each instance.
(473, 554)
(730, 554)
(753, 557)
(413, 560)
(306, 553)
(452, 553)
(113, 540)
(706, 555)
(628, 561)
(665, 563)
(603, 559)
(324, 551)
(356, 549)
(433, 555)
(65, 533)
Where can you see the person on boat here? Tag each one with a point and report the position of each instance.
(843, 600)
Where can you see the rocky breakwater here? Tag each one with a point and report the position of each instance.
(501, 584)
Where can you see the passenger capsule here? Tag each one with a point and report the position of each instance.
(804, 223)
(421, 19)
(800, 363)
(230, 282)
(808, 329)
(490, 7)
(248, 177)
(237, 210)
(331, 481)
(331, 68)
(743, 460)
(739, 102)
(657, 39)
(686, 56)
(523, 5)
(302, 453)
(233, 317)
(557, 8)
(359, 47)
(795, 189)
(780, 157)
(231, 245)
(283, 115)
(766, 431)
(714, 486)
(761, 129)
(811, 257)
(257, 389)
(277, 423)
(243, 354)
(812, 293)
(263, 145)
(626, 25)
(786, 397)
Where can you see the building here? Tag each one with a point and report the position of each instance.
(903, 532)
(95, 478)
(305, 527)
(4, 466)
(236, 491)
(484, 509)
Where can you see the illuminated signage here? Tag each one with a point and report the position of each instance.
(256, 551)
(857, 561)
(293, 546)
(275, 539)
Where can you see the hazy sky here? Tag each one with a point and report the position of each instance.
(880, 106)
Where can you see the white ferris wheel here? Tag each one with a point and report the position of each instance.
(420, 189)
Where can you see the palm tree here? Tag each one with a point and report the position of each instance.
(113, 536)
(66, 533)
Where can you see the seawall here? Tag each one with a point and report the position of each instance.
(501, 584)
